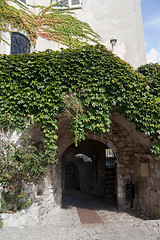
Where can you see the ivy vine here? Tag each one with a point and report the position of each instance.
(19, 165)
(58, 25)
(88, 83)
(152, 72)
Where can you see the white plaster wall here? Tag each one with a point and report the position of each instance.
(4, 47)
(120, 19)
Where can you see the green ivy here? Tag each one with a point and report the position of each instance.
(152, 72)
(59, 25)
(1, 224)
(88, 83)
(19, 165)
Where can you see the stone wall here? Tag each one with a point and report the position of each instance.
(43, 202)
(86, 174)
(128, 145)
(147, 180)
(133, 162)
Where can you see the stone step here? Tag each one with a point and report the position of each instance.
(110, 186)
(109, 178)
(110, 173)
(109, 196)
(109, 189)
(109, 181)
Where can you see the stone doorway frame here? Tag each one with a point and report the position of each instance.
(67, 154)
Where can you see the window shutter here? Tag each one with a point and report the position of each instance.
(63, 2)
(70, 3)
(75, 2)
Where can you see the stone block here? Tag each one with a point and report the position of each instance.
(158, 173)
(128, 139)
(121, 195)
(121, 202)
(128, 149)
(144, 169)
(125, 157)
(120, 144)
(157, 212)
(121, 165)
(121, 189)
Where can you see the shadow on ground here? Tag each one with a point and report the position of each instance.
(106, 209)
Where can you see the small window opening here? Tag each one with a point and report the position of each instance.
(19, 43)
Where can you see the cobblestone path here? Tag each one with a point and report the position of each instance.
(64, 224)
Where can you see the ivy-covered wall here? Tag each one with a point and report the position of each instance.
(87, 84)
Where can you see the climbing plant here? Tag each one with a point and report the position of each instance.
(58, 25)
(152, 76)
(19, 165)
(87, 83)
(152, 72)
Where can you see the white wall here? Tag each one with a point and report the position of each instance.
(120, 19)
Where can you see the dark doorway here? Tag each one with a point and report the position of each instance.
(71, 177)
(89, 169)
(80, 175)
(110, 176)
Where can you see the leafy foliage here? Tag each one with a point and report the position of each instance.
(89, 83)
(58, 25)
(18, 165)
(1, 224)
(152, 72)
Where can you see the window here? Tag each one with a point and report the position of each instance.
(24, 1)
(19, 43)
(71, 3)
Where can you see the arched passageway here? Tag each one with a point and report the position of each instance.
(133, 162)
(89, 168)
(80, 175)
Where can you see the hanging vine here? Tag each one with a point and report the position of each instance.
(58, 25)
(87, 84)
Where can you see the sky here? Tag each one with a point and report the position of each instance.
(151, 24)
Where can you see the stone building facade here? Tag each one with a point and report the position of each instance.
(111, 19)
(133, 161)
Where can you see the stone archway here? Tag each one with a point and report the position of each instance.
(92, 172)
(124, 141)
(133, 162)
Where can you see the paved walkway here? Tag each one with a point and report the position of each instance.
(64, 224)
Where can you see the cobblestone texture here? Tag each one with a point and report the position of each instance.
(64, 224)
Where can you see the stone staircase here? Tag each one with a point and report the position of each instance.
(110, 177)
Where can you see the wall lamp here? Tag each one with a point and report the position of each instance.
(113, 42)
